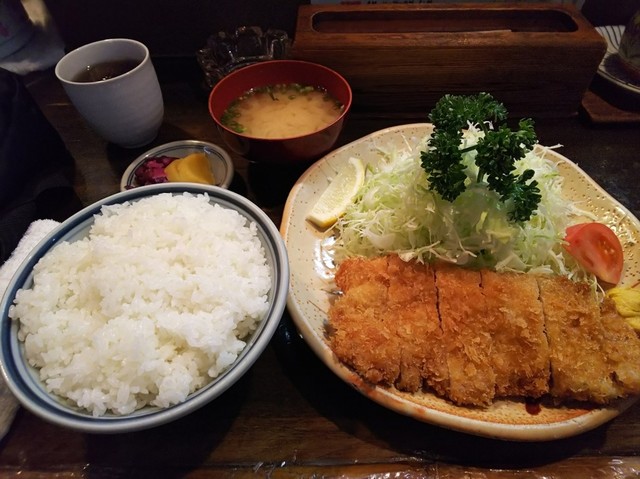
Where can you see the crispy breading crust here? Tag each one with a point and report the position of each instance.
(622, 349)
(467, 335)
(520, 355)
(412, 309)
(473, 336)
(572, 318)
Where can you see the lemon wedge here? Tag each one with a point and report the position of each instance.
(339, 194)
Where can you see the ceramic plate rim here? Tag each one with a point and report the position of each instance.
(221, 155)
(392, 399)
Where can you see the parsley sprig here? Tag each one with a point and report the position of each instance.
(496, 152)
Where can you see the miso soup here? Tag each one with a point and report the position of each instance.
(282, 111)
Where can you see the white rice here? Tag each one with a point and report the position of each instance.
(148, 308)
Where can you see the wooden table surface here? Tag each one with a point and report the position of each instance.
(290, 416)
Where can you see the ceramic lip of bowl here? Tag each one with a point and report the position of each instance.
(23, 380)
(297, 149)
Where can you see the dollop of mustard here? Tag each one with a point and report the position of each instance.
(627, 301)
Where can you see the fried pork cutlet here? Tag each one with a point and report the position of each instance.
(412, 312)
(473, 336)
(386, 326)
(520, 353)
(359, 336)
(622, 349)
(467, 335)
(355, 272)
(579, 368)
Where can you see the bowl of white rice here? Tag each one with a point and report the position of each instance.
(142, 307)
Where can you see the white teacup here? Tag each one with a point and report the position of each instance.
(125, 108)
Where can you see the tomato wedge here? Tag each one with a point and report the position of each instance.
(597, 249)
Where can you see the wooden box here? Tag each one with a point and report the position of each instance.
(537, 58)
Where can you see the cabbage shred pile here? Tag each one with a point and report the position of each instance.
(395, 211)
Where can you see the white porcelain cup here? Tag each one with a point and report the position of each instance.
(127, 109)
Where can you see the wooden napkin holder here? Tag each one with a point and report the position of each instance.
(538, 58)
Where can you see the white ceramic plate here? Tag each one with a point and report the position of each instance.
(311, 282)
(609, 67)
(219, 159)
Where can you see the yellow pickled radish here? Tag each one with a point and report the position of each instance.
(193, 168)
(339, 194)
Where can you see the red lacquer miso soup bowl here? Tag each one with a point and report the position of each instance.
(297, 145)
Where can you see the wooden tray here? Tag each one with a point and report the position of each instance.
(536, 58)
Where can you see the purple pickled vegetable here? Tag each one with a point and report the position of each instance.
(151, 171)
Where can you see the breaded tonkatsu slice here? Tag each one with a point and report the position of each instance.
(358, 271)
(473, 336)
(579, 368)
(412, 312)
(467, 335)
(622, 349)
(520, 355)
(359, 334)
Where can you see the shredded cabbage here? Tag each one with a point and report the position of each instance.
(395, 212)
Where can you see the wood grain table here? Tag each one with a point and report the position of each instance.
(290, 416)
